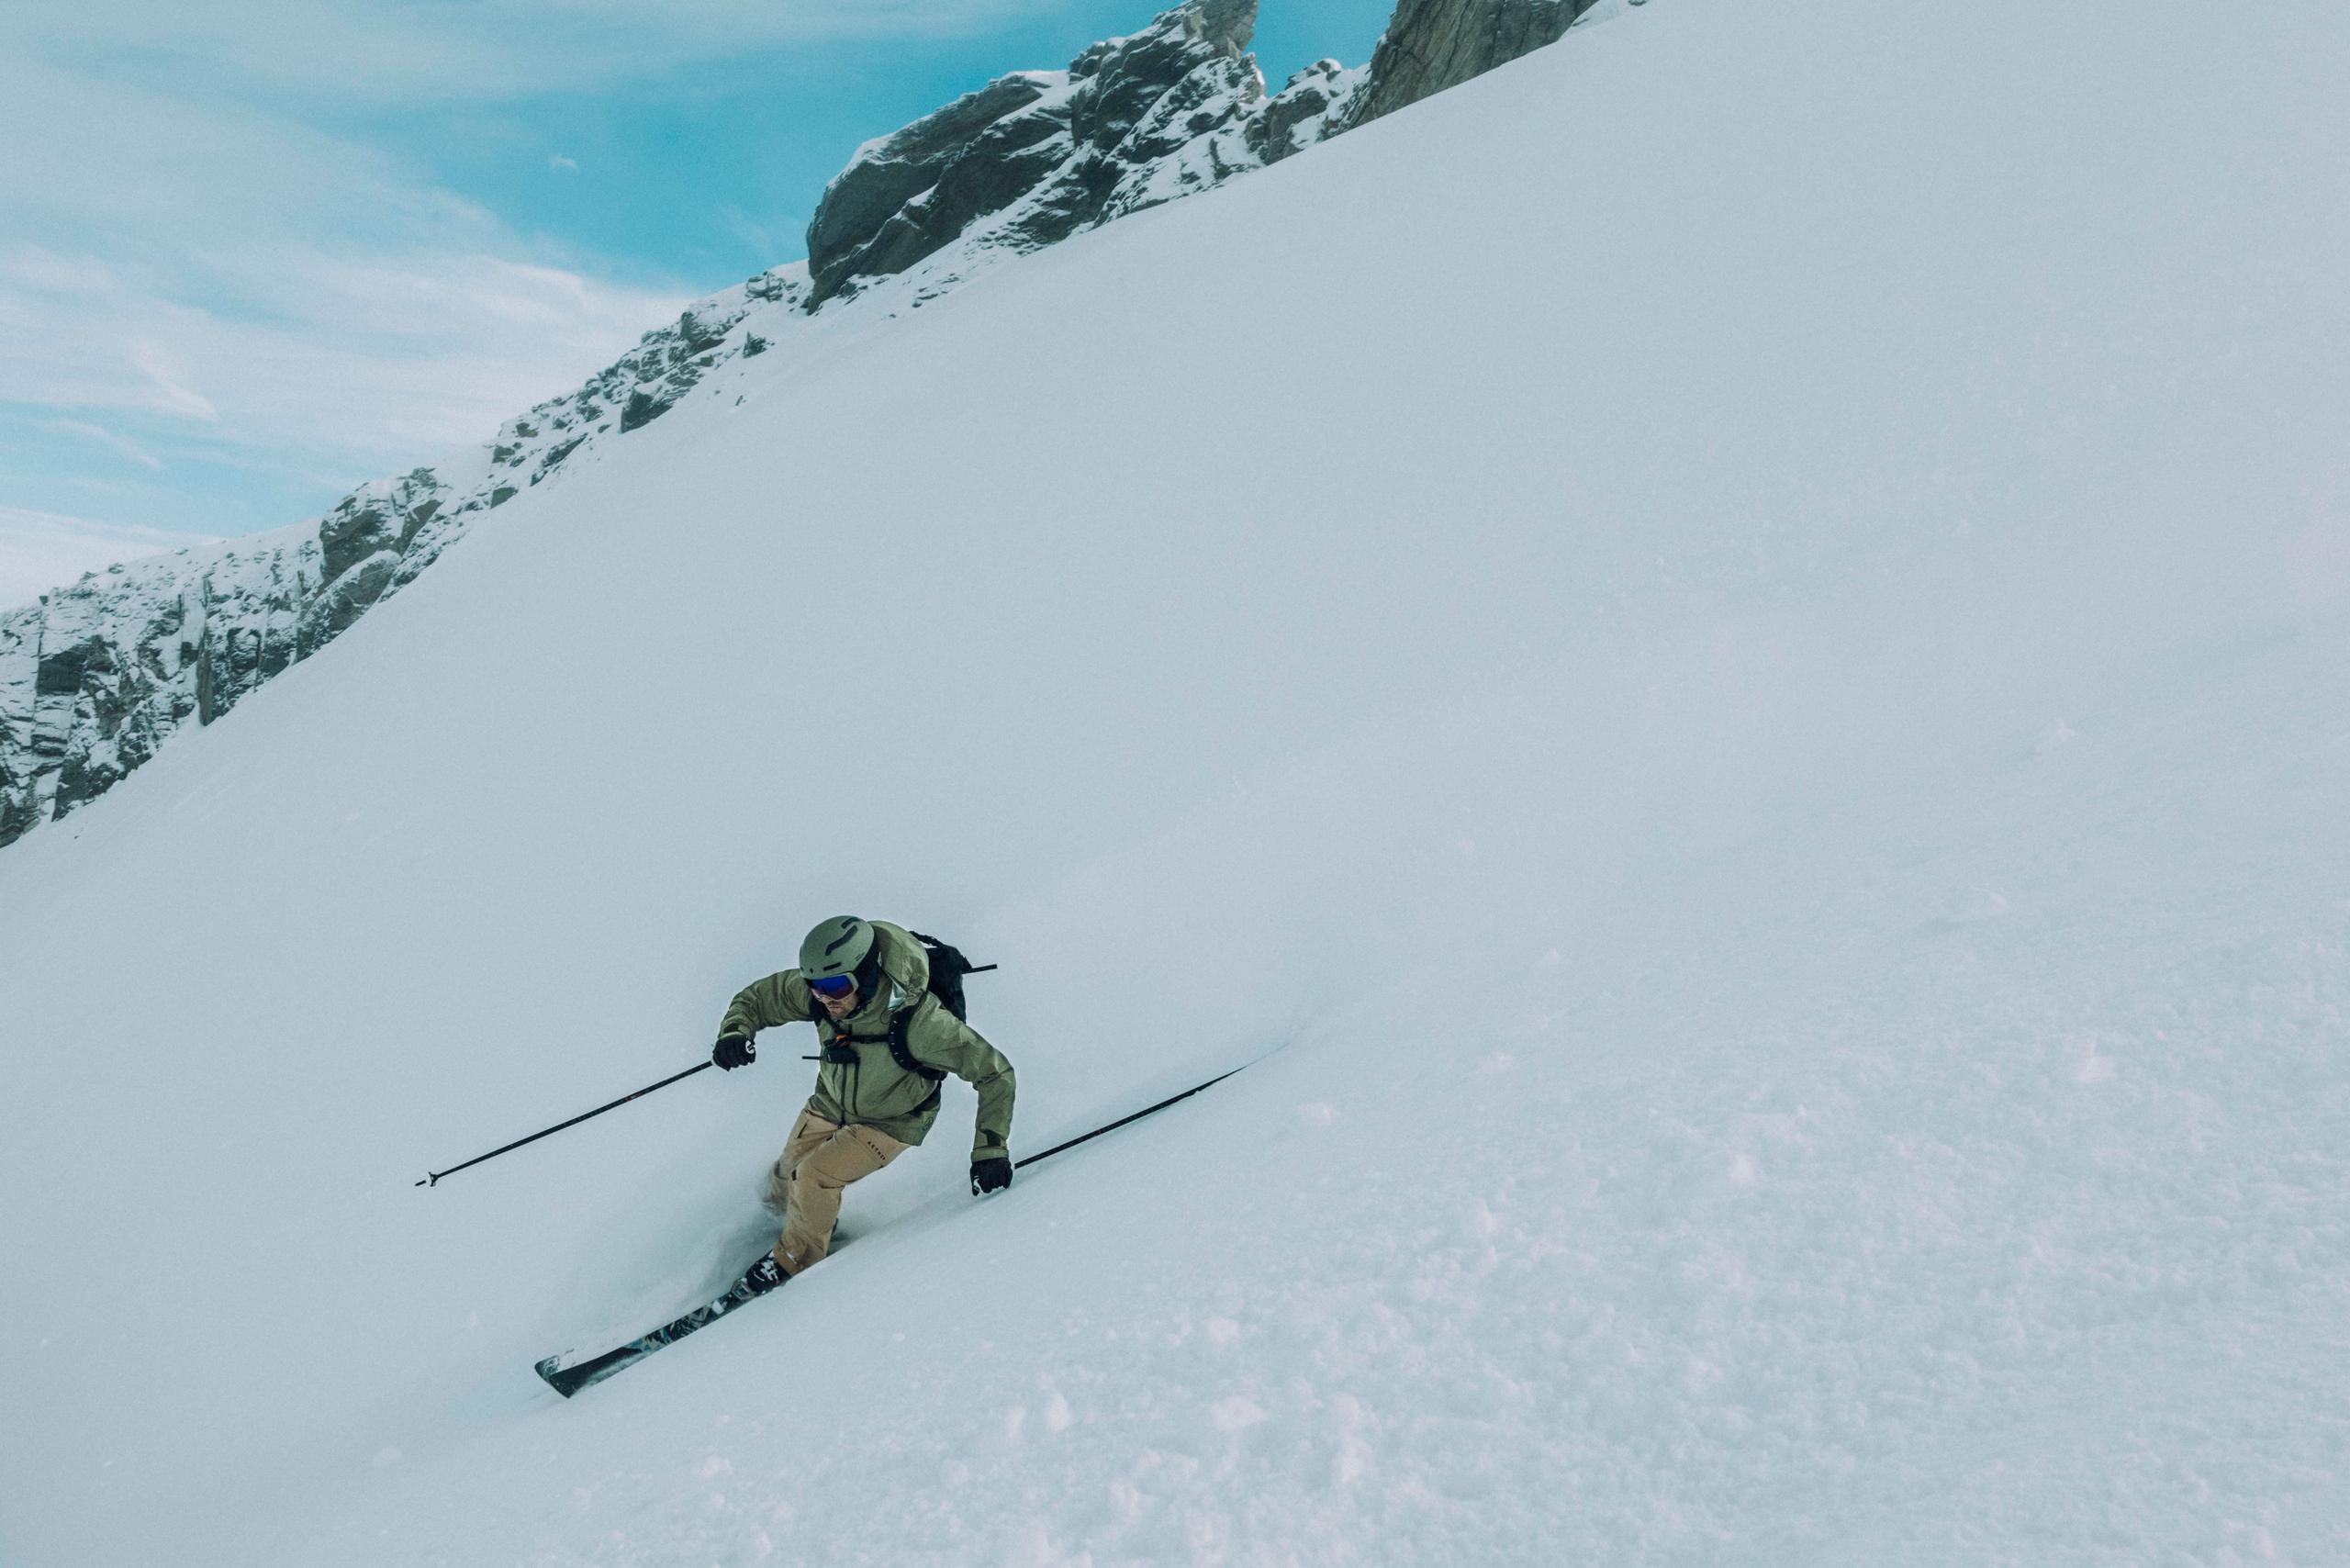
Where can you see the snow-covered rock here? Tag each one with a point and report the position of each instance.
(96, 676)
(1037, 156)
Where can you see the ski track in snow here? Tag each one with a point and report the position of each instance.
(1731, 638)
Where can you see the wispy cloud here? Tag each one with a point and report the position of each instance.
(219, 274)
(557, 160)
(104, 437)
(372, 359)
(41, 551)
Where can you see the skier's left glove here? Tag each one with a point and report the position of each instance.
(733, 1051)
(992, 1174)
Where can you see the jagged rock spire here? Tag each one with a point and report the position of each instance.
(1035, 156)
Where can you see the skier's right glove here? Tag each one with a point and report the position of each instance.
(733, 1051)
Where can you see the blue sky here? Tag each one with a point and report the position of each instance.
(252, 253)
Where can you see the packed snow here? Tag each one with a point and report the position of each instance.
(1724, 654)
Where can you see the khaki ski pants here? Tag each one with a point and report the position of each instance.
(819, 1160)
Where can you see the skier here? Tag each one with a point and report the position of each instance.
(888, 1043)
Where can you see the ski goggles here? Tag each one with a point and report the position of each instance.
(832, 985)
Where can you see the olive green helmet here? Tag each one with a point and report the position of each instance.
(836, 947)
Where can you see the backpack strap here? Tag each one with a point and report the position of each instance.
(902, 1054)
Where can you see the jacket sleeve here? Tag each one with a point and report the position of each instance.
(762, 1005)
(950, 1043)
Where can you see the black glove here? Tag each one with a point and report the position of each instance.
(733, 1051)
(992, 1174)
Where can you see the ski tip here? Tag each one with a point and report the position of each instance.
(546, 1369)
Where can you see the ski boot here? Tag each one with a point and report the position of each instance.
(762, 1276)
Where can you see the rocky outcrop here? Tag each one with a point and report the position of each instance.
(1433, 44)
(1034, 157)
(1309, 108)
(902, 198)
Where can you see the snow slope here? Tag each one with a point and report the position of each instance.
(1758, 706)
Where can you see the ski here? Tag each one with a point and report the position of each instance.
(568, 1381)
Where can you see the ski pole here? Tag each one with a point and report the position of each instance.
(1122, 1121)
(433, 1178)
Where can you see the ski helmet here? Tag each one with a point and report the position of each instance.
(837, 946)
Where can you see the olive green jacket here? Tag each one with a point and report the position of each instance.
(874, 1090)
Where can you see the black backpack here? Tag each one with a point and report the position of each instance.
(947, 967)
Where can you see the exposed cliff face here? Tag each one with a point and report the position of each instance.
(97, 675)
(1433, 44)
(1034, 157)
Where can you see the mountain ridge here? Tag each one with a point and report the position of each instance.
(96, 676)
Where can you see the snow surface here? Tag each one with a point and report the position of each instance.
(1731, 643)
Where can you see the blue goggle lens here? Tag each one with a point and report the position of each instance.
(832, 985)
